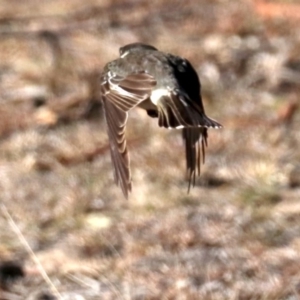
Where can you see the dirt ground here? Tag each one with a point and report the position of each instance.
(236, 235)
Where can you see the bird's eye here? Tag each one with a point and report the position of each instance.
(123, 53)
(121, 50)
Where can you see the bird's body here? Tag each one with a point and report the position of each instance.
(167, 87)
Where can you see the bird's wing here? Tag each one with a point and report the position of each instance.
(178, 111)
(127, 92)
(116, 120)
(119, 95)
(195, 143)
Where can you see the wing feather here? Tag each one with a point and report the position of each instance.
(116, 122)
(119, 95)
(178, 111)
(127, 92)
(195, 143)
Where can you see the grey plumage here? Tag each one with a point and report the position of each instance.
(168, 88)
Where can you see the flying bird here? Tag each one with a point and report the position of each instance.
(168, 88)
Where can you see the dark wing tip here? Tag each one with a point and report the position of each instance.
(195, 143)
(178, 112)
(210, 123)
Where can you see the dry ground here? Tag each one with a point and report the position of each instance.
(235, 236)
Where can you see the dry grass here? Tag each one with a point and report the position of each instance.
(235, 236)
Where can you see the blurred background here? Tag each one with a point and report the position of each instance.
(236, 235)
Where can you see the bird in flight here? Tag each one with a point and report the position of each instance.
(168, 88)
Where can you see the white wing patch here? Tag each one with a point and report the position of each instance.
(157, 94)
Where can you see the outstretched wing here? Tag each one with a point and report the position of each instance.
(127, 92)
(195, 143)
(176, 110)
(119, 95)
(116, 120)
